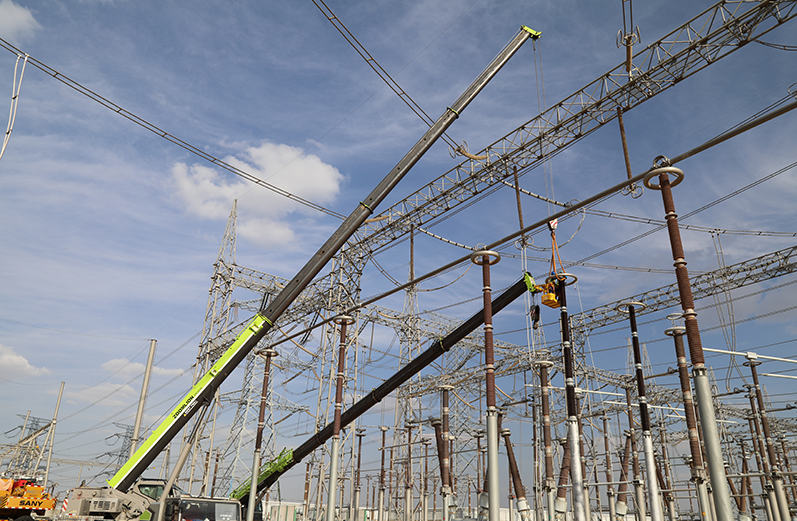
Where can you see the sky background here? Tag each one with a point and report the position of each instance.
(110, 233)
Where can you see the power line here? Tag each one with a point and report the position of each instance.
(165, 135)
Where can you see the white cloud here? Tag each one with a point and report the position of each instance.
(17, 365)
(16, 22)
(124, 368)
(206, 193)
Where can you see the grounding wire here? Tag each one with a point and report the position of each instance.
(167, 136)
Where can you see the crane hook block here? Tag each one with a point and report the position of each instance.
(535, 35)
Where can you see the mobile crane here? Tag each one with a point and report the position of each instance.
(19, 498)
(127, 497)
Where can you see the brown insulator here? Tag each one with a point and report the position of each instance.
(681, 274)
(437, 425)
(564, 473)
(520, 492)
(734, 492)
(343, 321)
(695, 451)
(307, 478)
(623, 487)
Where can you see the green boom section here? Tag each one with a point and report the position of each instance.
(186, 405)
(278, 464)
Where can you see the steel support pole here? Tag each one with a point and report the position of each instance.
(669, 483)
(51, 436)
(425, 507)
(711, 440)
(143, 398)
(609, 472)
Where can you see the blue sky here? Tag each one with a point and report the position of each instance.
(110, 232)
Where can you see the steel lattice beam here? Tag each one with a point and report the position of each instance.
(765, 267)
(711, 35)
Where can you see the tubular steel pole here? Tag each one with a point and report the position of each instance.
(51, 436)
(776, 476)
(485, 258)
(550, 479)
(656, 513)
(669, 483)
(711, 440)
(609, 471)
(576, 478)
(343, 321)
(250, 509)
(425, 510)
(143, 398)
(696, 465)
